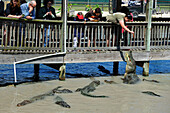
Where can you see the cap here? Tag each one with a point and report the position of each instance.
(129, 17)
(80, 16)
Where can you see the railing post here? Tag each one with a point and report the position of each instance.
(64, 26)
(115, 68)
(63, 38)
(148, 36)
(149, 19)
(36, 72)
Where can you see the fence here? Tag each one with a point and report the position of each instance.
(44, 36)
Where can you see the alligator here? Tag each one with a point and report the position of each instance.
(35, 98)
(110, 82)
(151, 93)
(130, 76)
(102, 69)
(62, 103)
(90, 88)
(61, 91)
(42, 96)
(151, 80)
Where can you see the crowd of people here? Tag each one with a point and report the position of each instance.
(23, 9)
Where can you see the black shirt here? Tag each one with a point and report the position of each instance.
(12, 10)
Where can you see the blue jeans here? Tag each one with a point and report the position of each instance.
(46, 41)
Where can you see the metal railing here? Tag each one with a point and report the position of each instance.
(44, 36)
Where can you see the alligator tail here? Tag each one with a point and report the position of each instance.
(94, 96)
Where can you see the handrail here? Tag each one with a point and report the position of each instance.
(30, 20)
(98, 32)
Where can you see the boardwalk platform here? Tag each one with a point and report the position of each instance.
(42, 42)
(84, 57)
(95, 41)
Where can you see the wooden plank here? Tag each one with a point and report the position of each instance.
(79, 38)
(26, 34)
(91, 38)
(131, 44)
(69, 34)
(29, 35)
(74, 34)
(53, 36)
(168, 38)
(46, 33)
(32, 34)
(163, 38)
(107, 38)
(6, 36)
(137, 35)
(56, 30)
(113, 36)
(18, 36)
(11, 34)
(2, 41)
(39, 35)
(144, 36)
(60, 31)
(95, 36)
(50, 36)
(99, 34)
(14, 38)
(110, 35)
(165, 35)
(102, 36)
(141, 35)
(135, 40)
(85, 30)
(155, 34)
(22, 34)
(158, 34)
(152, 37)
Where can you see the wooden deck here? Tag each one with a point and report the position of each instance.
(96, 41)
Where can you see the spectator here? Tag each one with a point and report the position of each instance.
(28, 9)
(1, 8)
(94, 15)
(13, 9)
(79, 17)
(121, 18)
(47, 12)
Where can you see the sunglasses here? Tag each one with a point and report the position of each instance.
(49, 3)
(32, 5)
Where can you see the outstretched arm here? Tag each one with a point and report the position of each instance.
(121, 22)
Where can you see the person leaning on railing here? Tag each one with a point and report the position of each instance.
(121, 18)
(28, 9)
(94, 16)
(13, 9)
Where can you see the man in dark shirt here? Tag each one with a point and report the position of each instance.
(94, 15)
(1, 8)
